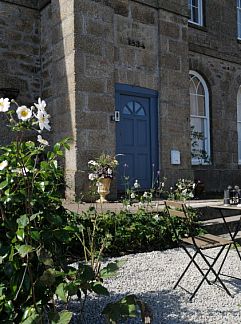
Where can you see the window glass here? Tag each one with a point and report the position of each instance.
(128, 109)
(133, 107)
(239, 18)
(199, 119)
(195, 8)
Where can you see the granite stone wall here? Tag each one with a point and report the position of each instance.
(20, 50)
(20, 55)
(174, 95)
(215, 53)
(73, 52)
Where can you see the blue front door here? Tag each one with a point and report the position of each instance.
(136, 135)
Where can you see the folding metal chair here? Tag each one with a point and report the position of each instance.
(198, 242)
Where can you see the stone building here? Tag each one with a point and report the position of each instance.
(132, 77)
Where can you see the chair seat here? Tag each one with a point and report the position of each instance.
(207, 241)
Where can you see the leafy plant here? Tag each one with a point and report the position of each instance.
(34, 237)
(136, 195)
(183, 190)
(102, 167)
(35, 227)
(127, 307)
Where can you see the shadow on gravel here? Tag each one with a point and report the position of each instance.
(165, 305)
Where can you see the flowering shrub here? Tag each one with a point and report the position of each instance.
(36, 230)
(183, 190)
(102, 167)
(32, 220)
(135, 194)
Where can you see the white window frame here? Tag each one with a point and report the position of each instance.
(239, 123)
(200, 12)
(196, 161)
(239, 19)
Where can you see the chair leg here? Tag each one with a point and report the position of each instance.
(210, 268)
(234, 243)
(221, 266)
(187, 267)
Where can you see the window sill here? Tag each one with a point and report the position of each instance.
(199, 164)
(196, 26)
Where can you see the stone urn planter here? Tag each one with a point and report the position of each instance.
(103, 189)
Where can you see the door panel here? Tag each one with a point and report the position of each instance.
(134, 135)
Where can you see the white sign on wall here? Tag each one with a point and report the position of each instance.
(175, 157)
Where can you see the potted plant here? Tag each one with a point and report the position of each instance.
(102, 172)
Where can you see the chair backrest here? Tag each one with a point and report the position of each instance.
(177, 209)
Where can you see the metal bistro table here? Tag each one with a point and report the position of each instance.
(221, 210)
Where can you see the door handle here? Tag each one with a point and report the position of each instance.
(117, 116)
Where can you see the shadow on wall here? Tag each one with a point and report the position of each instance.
(58, 86)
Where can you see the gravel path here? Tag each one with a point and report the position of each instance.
(151, 276)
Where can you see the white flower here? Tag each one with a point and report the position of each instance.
(42, 141)
(156, 217)
(40, 105)
(92, 162)
(136, 184)
(145, 195)
(3, 164)
(4, 104)
(22, 171)
(184, 192)
(24, 113)
(43, 120)
(128, 207)
(193, 185)
(92, 176)
(109, 171)
(132, 195)
(162, 184)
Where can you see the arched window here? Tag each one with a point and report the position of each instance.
(199, 119)
(239, 124)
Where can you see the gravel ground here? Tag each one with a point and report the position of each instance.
(151, 276)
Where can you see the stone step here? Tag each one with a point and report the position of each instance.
(237, 237)
(207, 213)
(217, 226)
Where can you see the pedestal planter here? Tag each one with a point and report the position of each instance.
(103, 189)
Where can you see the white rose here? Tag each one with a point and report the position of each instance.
(136, 184)
(92, 176)
(4, 104)
(3, 165)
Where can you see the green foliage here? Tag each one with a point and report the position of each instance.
(34, 240)
(102, 167)
(124, 232)
(183, 190)
(34, 227)
(127, 307)
(135, 194)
